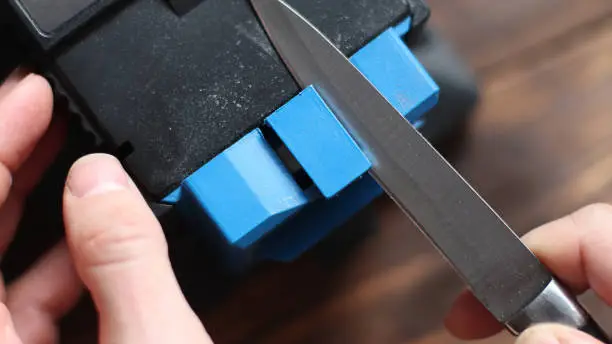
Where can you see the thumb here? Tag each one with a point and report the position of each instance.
(121, 255)
(555, 334)
(8, 334)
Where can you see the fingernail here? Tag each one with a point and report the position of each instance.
(95, 175)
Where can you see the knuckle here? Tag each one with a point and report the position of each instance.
(117, 234)
(593, 216)
(106, 246)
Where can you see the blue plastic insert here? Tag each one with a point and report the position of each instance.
(255, 202)
(246, 191)
(398, 75)
(319, 142)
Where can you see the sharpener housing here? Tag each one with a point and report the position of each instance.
(193, 99)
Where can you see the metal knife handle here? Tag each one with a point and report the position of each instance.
(556, 305)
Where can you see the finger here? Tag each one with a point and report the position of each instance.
(121, 255)
(575, 248)
(8, 334)
(43, 295)
(554, 334)
(10, 215)
(47, 149)
(27, 178)
(11, 81)
(468, 319)
(25, 113)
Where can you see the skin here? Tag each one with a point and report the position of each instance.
(115, 248)
(576, 249)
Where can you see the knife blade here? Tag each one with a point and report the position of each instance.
(503, 274)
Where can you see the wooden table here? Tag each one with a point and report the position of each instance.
(539, 147)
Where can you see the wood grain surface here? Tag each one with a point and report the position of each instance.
(540, 146)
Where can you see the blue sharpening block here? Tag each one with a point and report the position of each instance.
(325, 150)
(397, 74)
(246, 191)
(252, 198)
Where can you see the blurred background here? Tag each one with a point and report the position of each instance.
(538, 147)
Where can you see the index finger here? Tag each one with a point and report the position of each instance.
(25, 113)
(577, 250)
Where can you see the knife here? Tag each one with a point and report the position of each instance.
(503, 274)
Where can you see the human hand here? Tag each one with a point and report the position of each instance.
(576, 249)
(114, 244)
